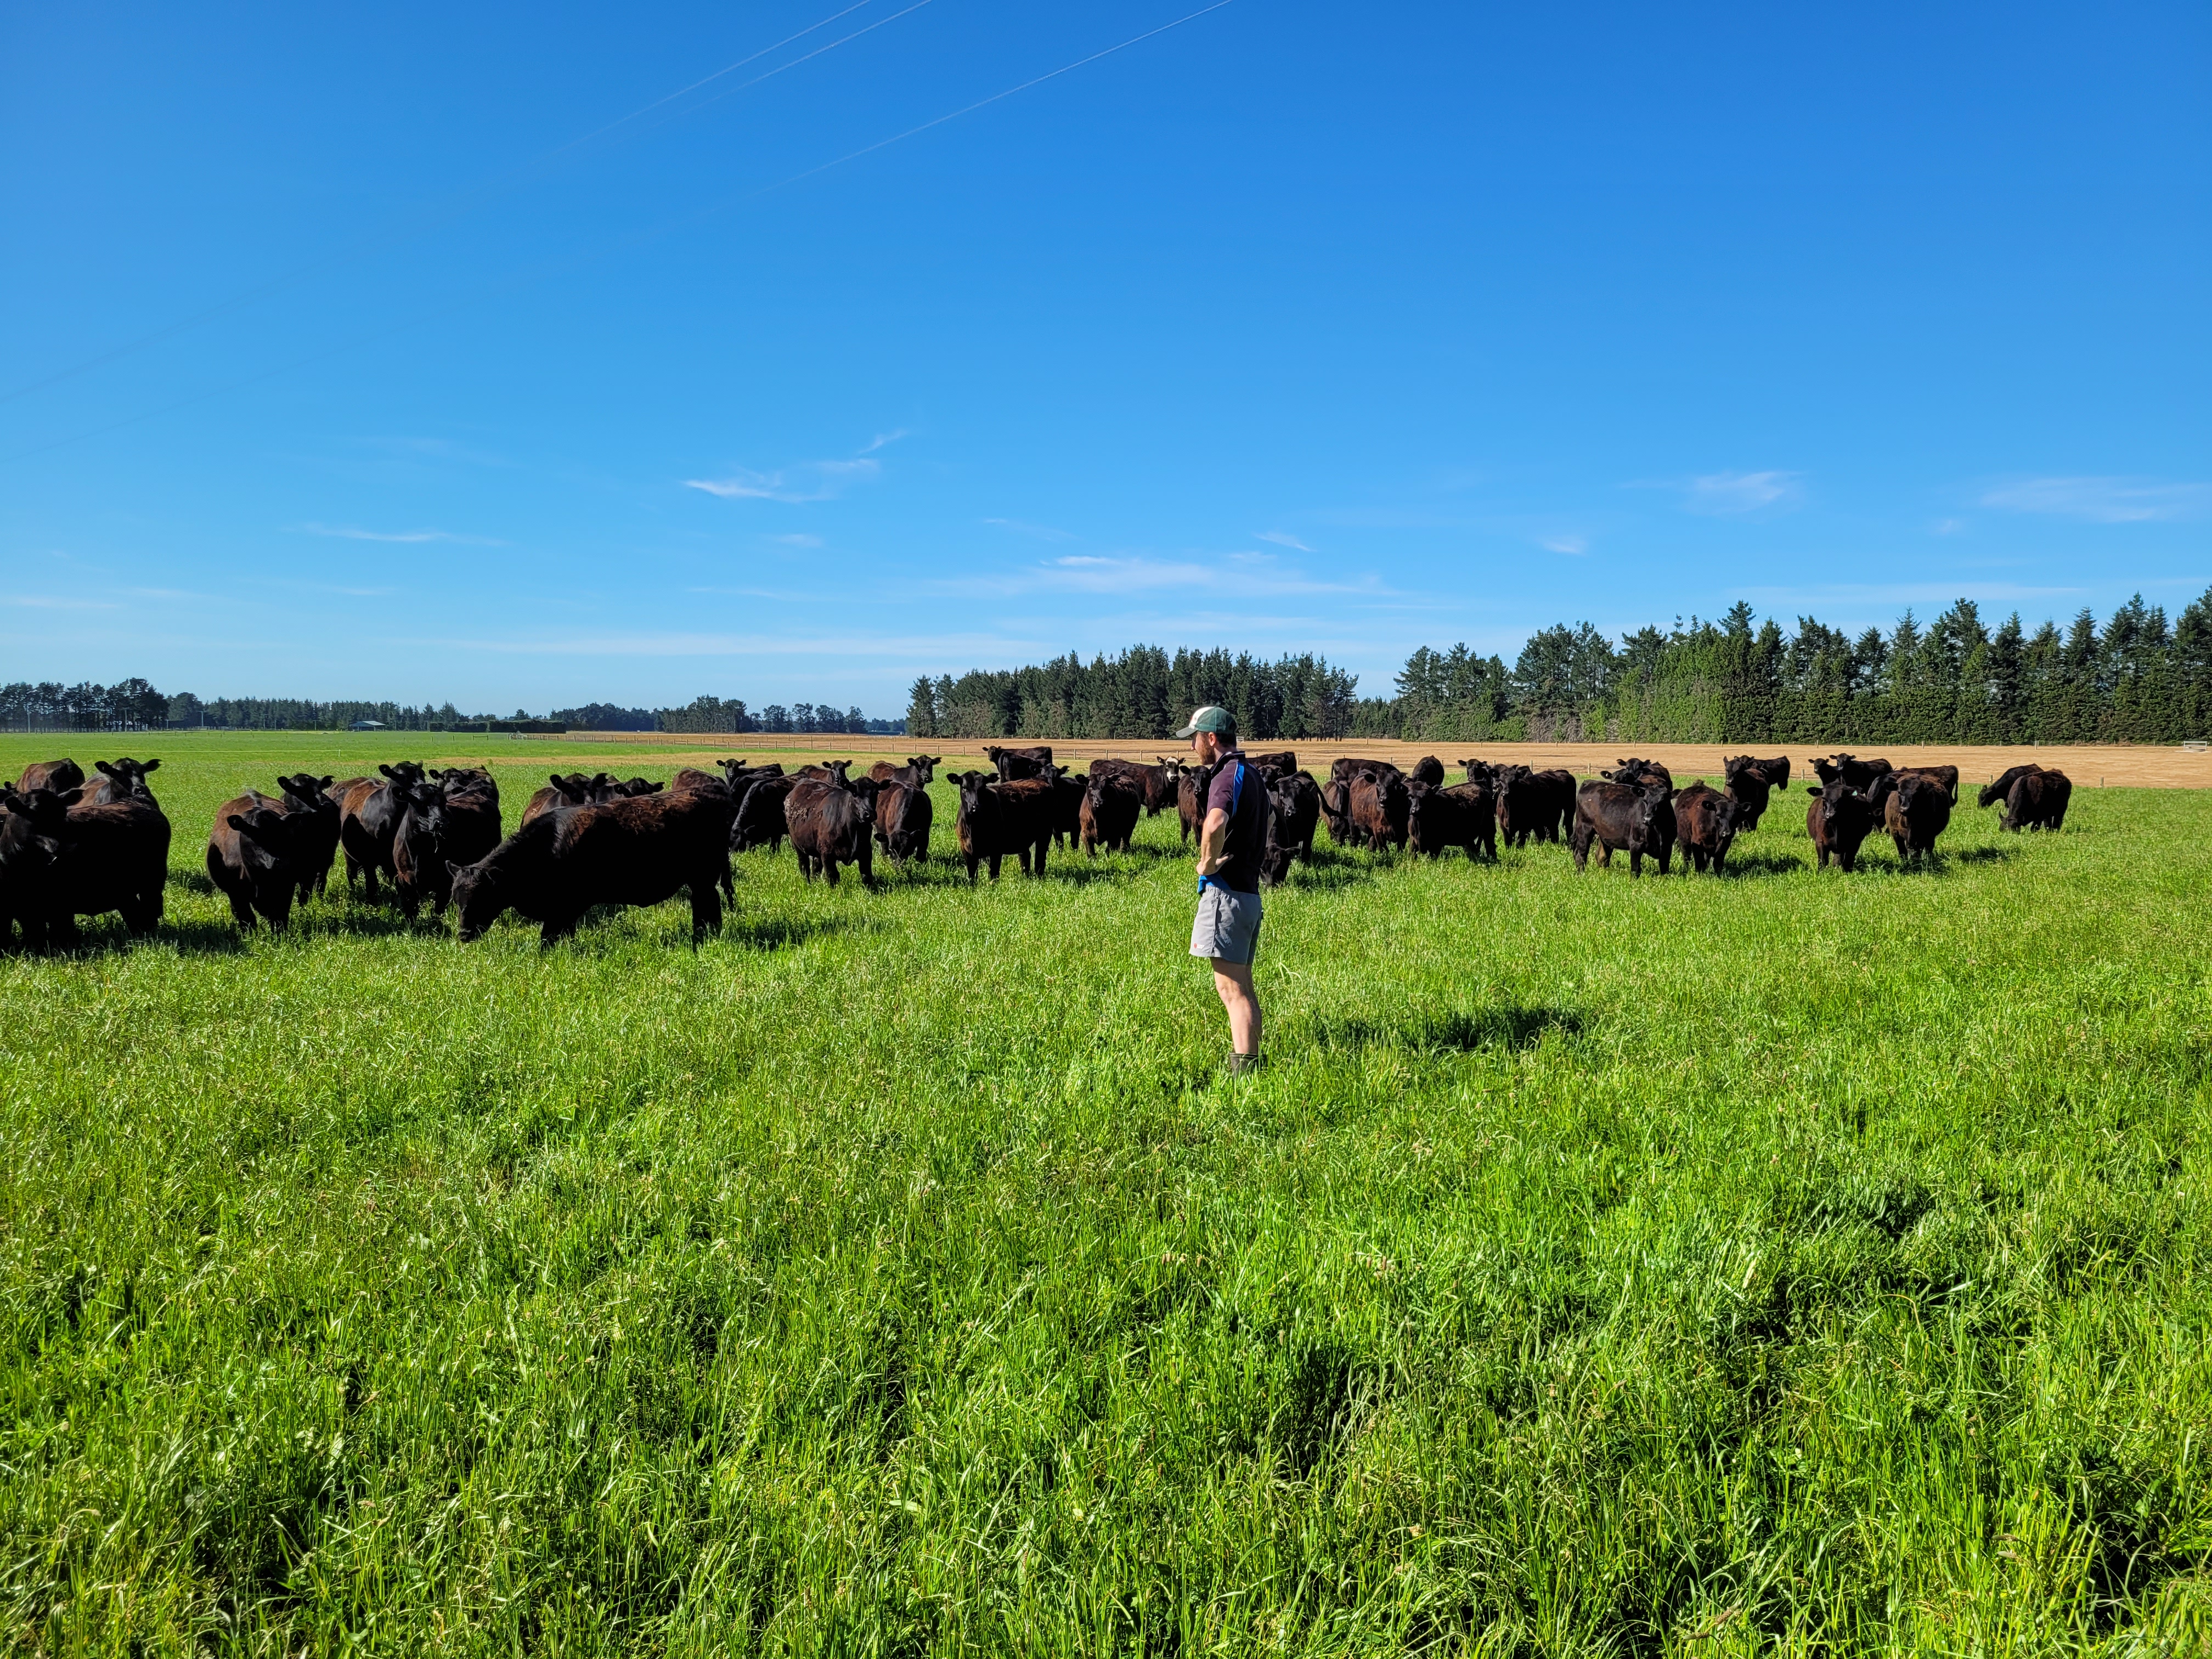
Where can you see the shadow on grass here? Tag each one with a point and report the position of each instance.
(1751, 865)
(1512, 1026)
(780, 933)
(192, 881)
(110, 938)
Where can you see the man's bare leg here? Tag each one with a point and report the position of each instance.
(1233, 980)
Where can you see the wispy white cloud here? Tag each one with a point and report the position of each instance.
(1252, 574)
(1569, 545)
(2102, 501)
(808, 481)
(1734, 494)
(1281, 540)
(50, 602)
(798, 540)
(931, 647)
(1948, 526)
(1042, 531)
(355, 533)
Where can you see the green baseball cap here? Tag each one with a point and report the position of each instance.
(1212, 717)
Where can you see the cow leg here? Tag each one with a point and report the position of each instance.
(868, 863)
(971, 863)
(995, 857)
(829, 871)
(1041, 845)
(706, 910)
(241, 912)
(1636, 861)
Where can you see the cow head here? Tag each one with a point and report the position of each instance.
(478, 896)
(425, 804)
(971, 786)
(45, 812)
(1842, 808)
(305, 791)
(281, 836)
(731, 767)
(923, 767)
(406, 774)
(1651, 819)
(129, 777)
(864, 792)
(636, 786)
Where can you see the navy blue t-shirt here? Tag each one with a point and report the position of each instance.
(1248, 820)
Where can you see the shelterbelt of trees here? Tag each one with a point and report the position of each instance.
(1739, 680)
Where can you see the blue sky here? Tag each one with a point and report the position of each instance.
(332, 363)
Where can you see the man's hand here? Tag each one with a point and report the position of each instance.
(1212, 841)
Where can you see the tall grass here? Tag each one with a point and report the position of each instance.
(1787, 1262)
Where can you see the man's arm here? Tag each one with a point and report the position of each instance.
(1212, 840)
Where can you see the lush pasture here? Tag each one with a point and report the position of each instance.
(1790, 1261)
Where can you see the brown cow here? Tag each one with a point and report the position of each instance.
(1013, 764)
(1838, 819)
(833, 821)
(1705, 822)
(259, 855)
(1380, 808)
(1000, 818)
(60, 776)
(1620, 817)
(640, 849)
(1946, 775)
(1112, 803)
(1343, 771)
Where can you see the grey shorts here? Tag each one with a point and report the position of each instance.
(1228, 925)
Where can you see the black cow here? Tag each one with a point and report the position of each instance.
(34, 826)
(1464, 815)
(2034, 797)
(1155, 785)
(306, 795)
(1915, 809)
(1620, 817)
(1112, 803)
(1343, 771)
(760, 820)
(1294, 810)
(918, 769)
(1066, 805)
(421, 851)
(1533, 803)
(260, 855)
(641, 849)
(904, 817)
(1751, 784)
(1641, 774)
(1013, 764)
(566, 790)
(1430, 770)
(1849, 769)
(1838, 818)
(832, 822)
(122, 779)
(114, 856)
(1284, 761)
(1481, 772)
(1705, 824)
(1001, 818)
(369, 810)
(1945, 776)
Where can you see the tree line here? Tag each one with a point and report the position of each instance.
(1141, 692)
(2134, 680)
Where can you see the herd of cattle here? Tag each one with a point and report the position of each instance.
(72, 848)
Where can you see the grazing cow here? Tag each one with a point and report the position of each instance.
(1380, 808)
(369, 810)
(1838, 819)
(34, 825)
(760, 820)
(60, 776)
(1464, 815)
(1001, 818)
(1112, 803)
(1013, 764)
(307, 795)
(833, 821)
(1620, 817)
(2037, 799)
(1751, 784)
(918, 769)
(1430, 770)
(638, 849)
(1294, 810)
(1641, 774)
(1533, 803)
(904, 815)
(123, 779)
(1155, 785)
(114, 856)
(258, 854)
(1285, 760)
(1705, 824)
(1915, 809)
(1849, 769)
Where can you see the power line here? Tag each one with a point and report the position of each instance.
(466, 201)
(651, 232)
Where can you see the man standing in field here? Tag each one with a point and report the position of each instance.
(1231, 837)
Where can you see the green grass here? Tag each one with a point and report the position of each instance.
(1793, 1263)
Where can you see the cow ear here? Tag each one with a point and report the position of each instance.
(15, 803)
(324, 783)
(1812, 789)
(104, 768)
(71, 797)
(453, 871)
(239, 825)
